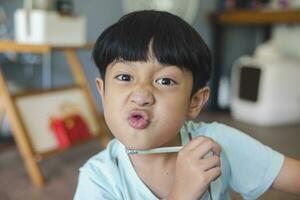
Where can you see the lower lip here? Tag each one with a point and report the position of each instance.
(138, 123)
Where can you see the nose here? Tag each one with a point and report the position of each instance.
(142, 97)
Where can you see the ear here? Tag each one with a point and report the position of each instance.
(100, 87)
(198, 101)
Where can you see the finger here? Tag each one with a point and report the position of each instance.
(209, 163)
(213, 173)
(216, 149)
(193, 143)
(204, 147)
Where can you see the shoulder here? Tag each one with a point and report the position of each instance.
(100, 175)
(253, 165)
(214, 130)
(235, 143)
(103, 165)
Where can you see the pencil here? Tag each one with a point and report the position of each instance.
(156, 150)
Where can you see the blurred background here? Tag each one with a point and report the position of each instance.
(254, 85)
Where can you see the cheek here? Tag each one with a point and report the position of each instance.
(113, 119)
(113, 97)
(113, 107)
(177, 103)
(173, 112)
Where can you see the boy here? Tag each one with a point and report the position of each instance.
(154, 70)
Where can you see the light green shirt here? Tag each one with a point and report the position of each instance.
(248, 167)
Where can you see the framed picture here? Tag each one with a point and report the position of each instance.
(44, 114)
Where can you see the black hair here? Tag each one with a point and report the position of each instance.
(171, 40)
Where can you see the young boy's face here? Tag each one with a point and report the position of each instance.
(146, 103)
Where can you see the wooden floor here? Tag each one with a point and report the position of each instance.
(61, 171)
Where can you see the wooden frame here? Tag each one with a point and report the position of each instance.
(30, 156)
(2, 111)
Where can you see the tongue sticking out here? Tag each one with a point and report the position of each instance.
(138, 120)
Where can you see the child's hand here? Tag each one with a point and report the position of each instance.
(194, 172)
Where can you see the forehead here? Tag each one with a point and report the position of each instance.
(149, 65)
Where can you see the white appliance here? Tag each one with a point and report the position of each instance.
(266, 90)
(285, 37)
(48, 27)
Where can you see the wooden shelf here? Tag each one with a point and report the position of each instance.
(20, 128)
(255, 17)
(33, 92)
(9, 45)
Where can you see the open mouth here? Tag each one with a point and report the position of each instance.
(138, 119)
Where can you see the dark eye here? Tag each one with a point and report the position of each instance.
(165, 81)
(124, 77)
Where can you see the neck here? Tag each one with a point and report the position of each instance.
(157, 171)
(157, 159)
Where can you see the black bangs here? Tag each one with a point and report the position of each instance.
(128, 39)
(163, 35)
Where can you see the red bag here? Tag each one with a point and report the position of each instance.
(58, 128)
(82, 129)
(69, 129)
